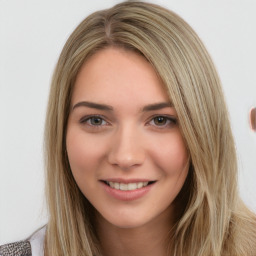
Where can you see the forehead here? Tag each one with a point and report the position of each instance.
(114, 73)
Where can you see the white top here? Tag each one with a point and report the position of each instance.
(37, 242)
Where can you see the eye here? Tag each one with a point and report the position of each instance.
(160, 120)
(93, 121)
(163, 121)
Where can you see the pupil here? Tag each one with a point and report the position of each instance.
(96, 121)
(160, 120)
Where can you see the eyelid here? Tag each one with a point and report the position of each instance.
(173, 121)
(84, 119)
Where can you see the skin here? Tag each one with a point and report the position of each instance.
(129, 139)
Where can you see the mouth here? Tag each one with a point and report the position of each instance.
(127, 186)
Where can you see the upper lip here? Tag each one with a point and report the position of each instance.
(126, 181)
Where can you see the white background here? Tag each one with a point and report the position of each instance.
(32, 34)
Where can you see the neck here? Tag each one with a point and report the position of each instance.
(149, 239)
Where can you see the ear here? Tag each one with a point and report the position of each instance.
(252, 119)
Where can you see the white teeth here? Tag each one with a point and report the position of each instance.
(116, 185)
(140, 184)
(123, 186)
(129, 186)
(132, 186)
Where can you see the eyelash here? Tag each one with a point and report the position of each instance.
(86, 119)
(169, 121)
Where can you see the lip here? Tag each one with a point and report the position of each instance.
(127, 195)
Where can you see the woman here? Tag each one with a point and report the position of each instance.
(140, 155)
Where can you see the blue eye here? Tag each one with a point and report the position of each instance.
(163, 121)
(96, 121)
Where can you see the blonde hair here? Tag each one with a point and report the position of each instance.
(213, 221)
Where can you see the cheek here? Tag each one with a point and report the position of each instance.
(172, 156)
(84, 154)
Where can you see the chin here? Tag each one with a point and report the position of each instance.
(124, 222)
(127, 224)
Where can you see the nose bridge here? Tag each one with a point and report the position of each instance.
(127, 147)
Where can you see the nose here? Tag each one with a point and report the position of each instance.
(126, 149)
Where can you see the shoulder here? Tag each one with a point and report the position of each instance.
(37, 242)
(33, 246)
(22, 248)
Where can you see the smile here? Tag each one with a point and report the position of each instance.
(128, 186)
(127, 190)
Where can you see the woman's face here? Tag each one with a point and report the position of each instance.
(124, 144)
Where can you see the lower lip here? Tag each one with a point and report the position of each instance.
(127, 195)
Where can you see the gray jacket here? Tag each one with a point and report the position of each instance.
(33, 246)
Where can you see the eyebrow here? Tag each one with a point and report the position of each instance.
(92, 105)
(150, 107)
(157, 106)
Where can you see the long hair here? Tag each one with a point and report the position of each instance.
(214, 220)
